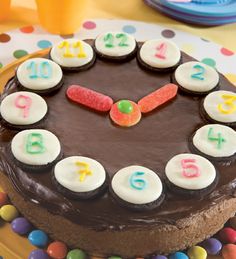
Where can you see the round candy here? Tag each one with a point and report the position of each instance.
(23, 108)
(197, 252)
(196, 77)
(215, 140)
(212, 246)
(220, 106)
(159, 54)
(178, 255)
(80, 175)
(8, 212)
(190, 172)
(159, 257)
(38, 238)
(232, 222)
(39, 74)
(35, 147)
(229, 251)
(73, 54)
(227, 235)
(76, 254)
(3, 199)
(21, 226)
(115, 45)
(38, 254)
(125, 113)
(114, 257)
(137, 185)
(57, 250)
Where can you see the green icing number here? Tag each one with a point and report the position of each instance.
(219, 138)
(136, 182)
(34, 144)
(109, 40)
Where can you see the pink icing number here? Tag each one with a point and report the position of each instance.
(162, 48)
(23, 102)
(190, 169)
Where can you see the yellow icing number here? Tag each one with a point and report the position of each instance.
(68, 46)
(83, 172)
(229, 102)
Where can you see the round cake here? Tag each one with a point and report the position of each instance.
(120, 147)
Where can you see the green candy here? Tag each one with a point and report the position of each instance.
(114, 257)
(76, 254)
(125, 106)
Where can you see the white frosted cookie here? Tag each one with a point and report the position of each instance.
(39, 74)
(72, 53)
(220, 106)
(115, 44)
(190, 172)
(23, 108)
(196, 77)
(36, 147)
(80, 174)
(215, 140)
(137, 185)
(160, 53)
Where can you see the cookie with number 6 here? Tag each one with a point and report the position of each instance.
(39, 75)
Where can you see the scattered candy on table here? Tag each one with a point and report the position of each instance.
(38, 238)
(76, 254)
(212, 246)
(38, 254)
(8, 212)
(159, 257)
(21, 226)
(178, 255)
(229, 251)
(197, 252)
(227, 235)
(57, 250)
(3, 199)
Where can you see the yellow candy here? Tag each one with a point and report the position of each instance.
(8, 212)
(197, 252)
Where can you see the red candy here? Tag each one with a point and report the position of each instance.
(157, 98)
(227, 235)
(229, 251)
(3, 199)
(89, 98)
(57, 250)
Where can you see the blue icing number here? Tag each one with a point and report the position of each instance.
(136, 182)
(43, 71)
(199, 75)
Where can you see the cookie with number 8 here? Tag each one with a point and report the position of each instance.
(39, 75)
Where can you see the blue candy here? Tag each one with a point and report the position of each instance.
(38, 238)
(178, 255)
(38, 254)
(212, 246)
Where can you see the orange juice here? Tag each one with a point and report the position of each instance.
(61, 17)
(4, 9)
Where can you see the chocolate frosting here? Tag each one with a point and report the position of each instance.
(159, 136)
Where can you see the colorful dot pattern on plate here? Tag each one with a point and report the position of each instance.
(190, 172)
(220, 106)
(23, 108)
(215, 140)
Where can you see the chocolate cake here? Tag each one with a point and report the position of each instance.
(176, 211)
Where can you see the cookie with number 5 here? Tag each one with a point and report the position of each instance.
(39, 75)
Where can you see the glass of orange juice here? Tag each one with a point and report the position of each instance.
(4, 9)
(61, 16)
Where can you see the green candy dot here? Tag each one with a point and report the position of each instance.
(114, 257)
(76, 254)
(209, 61)
(20, 53)
(1, 65)
(125, 106)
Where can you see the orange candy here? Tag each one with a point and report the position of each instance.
(229, 251)
(157, 98)
(3, 199)
(130, 116)
(57, 250)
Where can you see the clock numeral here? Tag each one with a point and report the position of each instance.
(136, 182)
(229, 103)
(109, 40)
(219, 138)
(200, 73)
(190, 169)
(83, 172)
(162, 49)
(42, 70)
(34, 144)
(77, 45)
(23, 102)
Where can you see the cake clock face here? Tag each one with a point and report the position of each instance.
(136, 147)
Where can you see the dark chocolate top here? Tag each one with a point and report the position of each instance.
(151, 143)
